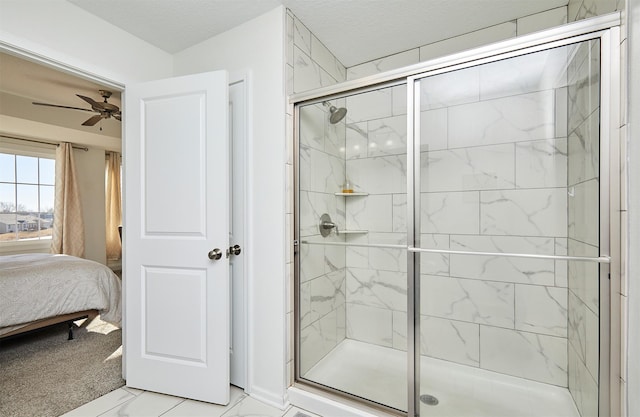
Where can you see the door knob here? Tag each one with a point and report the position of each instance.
(234, 250)
(215, 254)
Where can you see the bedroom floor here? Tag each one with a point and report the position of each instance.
(125, 402)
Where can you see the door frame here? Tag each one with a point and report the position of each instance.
(244, 77)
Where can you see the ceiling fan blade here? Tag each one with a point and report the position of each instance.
(92, 120)
(62, 107)
(89, 100)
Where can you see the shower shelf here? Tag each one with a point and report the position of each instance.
(351, 194)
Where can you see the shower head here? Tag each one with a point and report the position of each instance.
(337, 114)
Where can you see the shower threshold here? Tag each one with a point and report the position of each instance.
(379, 373)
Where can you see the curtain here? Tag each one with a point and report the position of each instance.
(68, 224)
(113, 205)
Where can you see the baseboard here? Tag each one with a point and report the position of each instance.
(270, 398)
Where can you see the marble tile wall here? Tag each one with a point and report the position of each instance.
(583, 225)
(493, 178)
(310, 65)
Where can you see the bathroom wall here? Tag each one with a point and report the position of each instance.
(584, 226)
(310, 65)
(493, 178)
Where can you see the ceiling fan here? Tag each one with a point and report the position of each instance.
(104, 109)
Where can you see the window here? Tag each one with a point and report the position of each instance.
(27, 193)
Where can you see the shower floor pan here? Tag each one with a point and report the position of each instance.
(379, 373)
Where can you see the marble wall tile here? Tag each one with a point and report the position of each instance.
(474, 301)
(466, 169)
(327, 292)
(584, 151)
(401, 59)
(370, 324)
(524, 117)
(584, 277)
(387, 136)
(400, 330)
(505, 269)
(371, 105)
(311, 262)
(530, 212)
(522, 74)
(313, 205)
(450, 89)
(316, 340)
(379, 175)
(307, 74)
(450, 340)
(452, 212)
(357, 140)
(434, 263)
(584, 89)
(399, 213)
(312, 121)
(468, 40)
(582, 387)
(399, 99)
(320, 172)
(527, 355)
(341, 323)
(388, 259)
(539, 21)
(324, 58)
(301, 36)
(584, 212)
(541, 164)
(290, 42)
(433, 130)
(561, 96)
(357, 256)
(541, 309)
(584, 334)
(377, 288)
(562, 267)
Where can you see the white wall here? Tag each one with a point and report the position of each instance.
(257, 48)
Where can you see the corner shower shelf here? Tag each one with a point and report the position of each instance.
(351, 194)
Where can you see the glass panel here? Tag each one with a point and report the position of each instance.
(27, 169)
(509, 164)
(47, 171)
(47, 197)
(7, 168)
(352, 297)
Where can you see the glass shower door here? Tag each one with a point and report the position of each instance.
(352, 281)
(507, 183)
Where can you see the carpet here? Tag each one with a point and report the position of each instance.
(43, 374)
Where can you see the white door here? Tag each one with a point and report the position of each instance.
(176, 216)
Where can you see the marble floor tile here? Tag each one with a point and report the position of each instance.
(192, 408)
(147, 404)
(251, 407)
(103, 404)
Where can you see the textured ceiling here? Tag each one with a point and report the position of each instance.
(355, 31)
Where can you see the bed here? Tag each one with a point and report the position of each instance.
(38, 290)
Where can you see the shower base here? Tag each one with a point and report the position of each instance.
(379, 374)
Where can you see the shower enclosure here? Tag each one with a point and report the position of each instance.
(453, 232)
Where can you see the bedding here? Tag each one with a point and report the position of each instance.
(40, 286)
